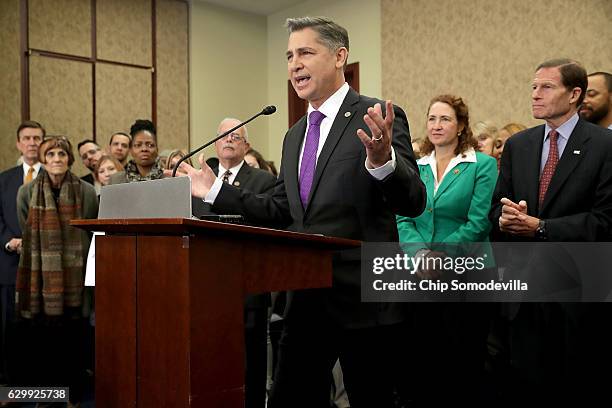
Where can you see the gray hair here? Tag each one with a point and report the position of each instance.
(485, 128)
(246, 132)
(332, 35)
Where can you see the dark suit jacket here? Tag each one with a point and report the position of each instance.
(89, 178)
(578, 204)
(10, 181)
(345, 201)
(577, 207)
(257, 181)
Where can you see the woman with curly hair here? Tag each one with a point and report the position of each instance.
(451, 337)
(145, 163)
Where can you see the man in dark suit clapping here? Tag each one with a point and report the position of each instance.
(555, 184)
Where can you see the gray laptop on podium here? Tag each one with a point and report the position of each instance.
(164, 198)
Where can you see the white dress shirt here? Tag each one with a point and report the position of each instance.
(430, 159)
(216, 187)
(26, 168)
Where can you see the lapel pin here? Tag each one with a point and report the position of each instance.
(456, 171)
(347, 114)
(576, 151)
(237, 183)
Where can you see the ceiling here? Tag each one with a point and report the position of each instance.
(260, 7)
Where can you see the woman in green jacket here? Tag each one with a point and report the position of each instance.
(450, 337)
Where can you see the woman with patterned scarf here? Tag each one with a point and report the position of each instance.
(50, 278)
(145, 163)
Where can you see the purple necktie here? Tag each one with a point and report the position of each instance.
(309, 157)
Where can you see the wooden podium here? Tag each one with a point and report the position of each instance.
(169, 304)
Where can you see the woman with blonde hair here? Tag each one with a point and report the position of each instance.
(485, 134)
(504, 134)
(173, 157)
(107, 166)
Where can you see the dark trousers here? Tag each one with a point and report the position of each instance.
(49, 352)
(445, 354)
(561, 353)
(308, 351)
(7, 317)
(256, 348)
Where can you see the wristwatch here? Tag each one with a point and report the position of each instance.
(540, 232)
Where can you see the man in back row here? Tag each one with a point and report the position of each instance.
(29, 136)
(597, 105)
(335, 180)
(119, 146)
(233, 170)
(90, 154)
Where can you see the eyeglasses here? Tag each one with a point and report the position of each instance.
(235, 137)
(149, 145)
(54, 137)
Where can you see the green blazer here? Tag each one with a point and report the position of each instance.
(458, 211)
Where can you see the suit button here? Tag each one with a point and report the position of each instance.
(429, 209)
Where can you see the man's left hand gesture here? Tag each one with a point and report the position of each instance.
(378, 147)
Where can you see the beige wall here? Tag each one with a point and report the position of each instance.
(228, 72)
(61, 91)
(172, 70)
(362, 20)
(10, 82)
(485, 51)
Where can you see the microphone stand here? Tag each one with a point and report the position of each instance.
(268, 110)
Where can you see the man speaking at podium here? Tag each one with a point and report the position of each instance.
(338, 180)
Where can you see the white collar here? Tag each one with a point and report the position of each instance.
(234, 170)
(332, 105)
(26, 167)
(470, 157)
(565, 130)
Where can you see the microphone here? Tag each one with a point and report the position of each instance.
(268, 110)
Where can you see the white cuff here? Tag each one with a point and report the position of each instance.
(213, 192)
(382, 172)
